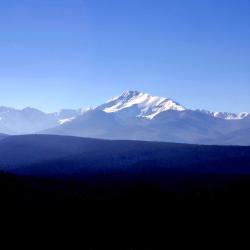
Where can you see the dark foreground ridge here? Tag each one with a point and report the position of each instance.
(131, 186)
(74, 157)
(168, 192)
(127, 209)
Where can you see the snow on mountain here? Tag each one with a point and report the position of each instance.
(226, 115)
(231, 116)
(158, 118)
(143, 104)
(65, 114)
(62, 121)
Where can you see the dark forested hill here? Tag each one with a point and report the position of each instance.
(2, 136)
(100, 183)
(73, 156)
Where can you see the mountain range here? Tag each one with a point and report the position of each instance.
(135, 116)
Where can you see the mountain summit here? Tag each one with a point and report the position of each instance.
(140, 104)
(133, 115)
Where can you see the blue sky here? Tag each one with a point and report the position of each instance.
(78, 53)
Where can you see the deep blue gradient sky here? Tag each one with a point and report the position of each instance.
(78, 53)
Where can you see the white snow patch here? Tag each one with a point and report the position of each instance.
(63, 121)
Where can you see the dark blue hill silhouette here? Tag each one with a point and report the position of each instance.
(118, 182)
(78, 157)
(26, 149)
(2, 136)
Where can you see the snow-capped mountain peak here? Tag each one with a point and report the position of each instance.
(142, 104)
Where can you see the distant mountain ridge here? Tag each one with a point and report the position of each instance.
(227, 115)
(133, 115)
